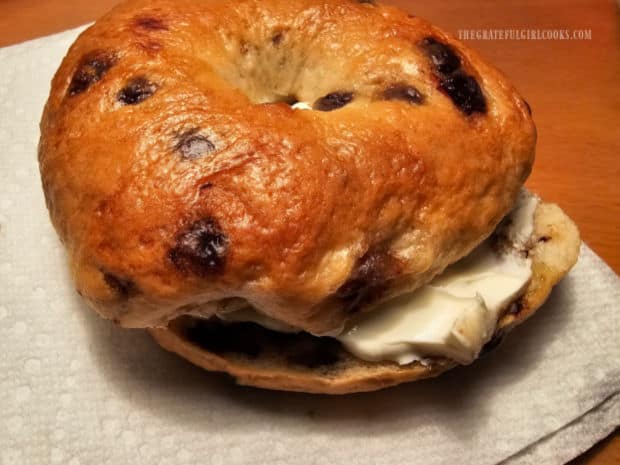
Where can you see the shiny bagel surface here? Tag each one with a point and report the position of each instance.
(181, 179)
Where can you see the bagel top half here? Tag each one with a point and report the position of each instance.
(181, 178)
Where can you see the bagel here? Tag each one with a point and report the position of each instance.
(309, 159)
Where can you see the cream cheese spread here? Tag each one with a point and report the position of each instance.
(456, 314)
(301, 106)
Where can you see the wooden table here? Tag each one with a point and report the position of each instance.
(572, 86)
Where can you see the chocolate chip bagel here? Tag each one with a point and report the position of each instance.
(308, 159)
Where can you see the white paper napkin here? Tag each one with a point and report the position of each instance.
(74, 389)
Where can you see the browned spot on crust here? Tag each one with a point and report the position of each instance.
(150, 23)
(125, 288)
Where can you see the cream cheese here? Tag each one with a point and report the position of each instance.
(301, 106)
(456, 314)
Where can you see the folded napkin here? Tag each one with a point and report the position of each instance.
(77, 390)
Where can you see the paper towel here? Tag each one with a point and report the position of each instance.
(74, 389)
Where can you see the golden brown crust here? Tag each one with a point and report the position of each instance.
(554, 250)
(176, 177)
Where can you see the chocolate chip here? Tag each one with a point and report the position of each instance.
(123, 287)
(403, 92)
(529, 108)
(333, 101)
(515, 308)
(150, 23)
(464, 92)
(136, 90)
(206, 185)
(201, 249)
(223, 338)
(276, 39)
(544, 238)
(444, 58)
(90, 70)
(193, 145)
(367, 282)
(462, 88)
(369, 2)
(244, 48)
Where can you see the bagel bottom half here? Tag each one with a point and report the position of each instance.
(259, 357)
